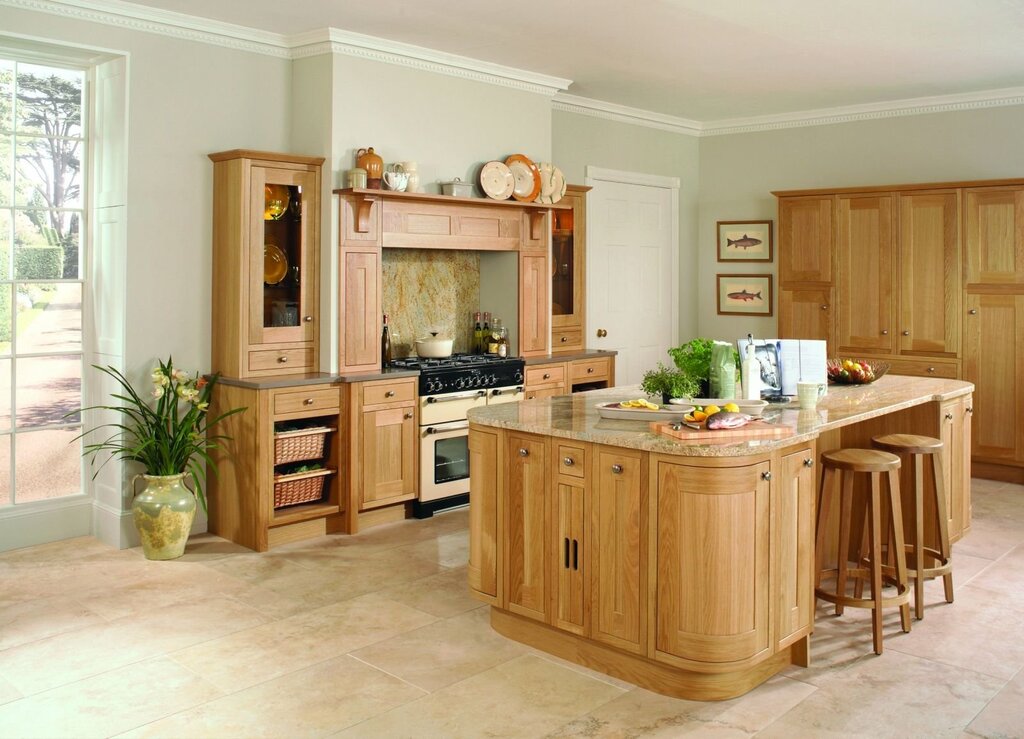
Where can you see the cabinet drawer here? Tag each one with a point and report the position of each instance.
(591, 369)
(391, 392)
(923, 368)
(320, 399)
(571, 460)
(566, 338)
(281, 359)
(545, 374)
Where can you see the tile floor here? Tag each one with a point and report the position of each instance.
(376, 636)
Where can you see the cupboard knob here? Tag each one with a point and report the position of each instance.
(766, 475)
(389, 394)
(808, 462)
(931, 369)
(906, 333)
(409, 414)
(973, 311)
(568, 461)
(524, 452)
(824, 307)
(547, 376)
(949, 416)
(885, 332)
(969, 409)
(590, 370)
(308, 401)
(617, 469)
(565, 339)
(307, 319)
(282, 360)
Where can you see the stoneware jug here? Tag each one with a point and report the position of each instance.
(163, 514)
(370, 161)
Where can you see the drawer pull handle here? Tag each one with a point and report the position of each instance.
(931, 369)
(282, 359)
(970, 409)
(307, 319)
(973, 311)
(949, 416)
(389, 394)
(617, 469)
(547, 376)
(824, 307)
(524, 452)
(590, 370)
(568, 461)
(408, 415)
(906, 333)
(766, 475)
(885, 332)
(564, 339)
(808, 462)
(308, 401)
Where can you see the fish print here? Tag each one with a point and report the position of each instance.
(744, 296)
(745, 243)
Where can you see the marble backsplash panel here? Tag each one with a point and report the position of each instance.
(430, 289)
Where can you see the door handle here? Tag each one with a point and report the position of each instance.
(575, 554)
(601, 333)
(617, 469)
(524, 452)
(885, 332)
(906, 333)
(566, 540)
(973, 311)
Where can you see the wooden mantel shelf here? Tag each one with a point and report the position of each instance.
(450, 199)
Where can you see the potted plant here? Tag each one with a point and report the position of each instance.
(168, 434)
(669, 382)
(694, 359)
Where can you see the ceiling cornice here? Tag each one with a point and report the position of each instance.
(624, 114)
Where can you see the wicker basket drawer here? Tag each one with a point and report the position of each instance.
(293, 401)
(300, 445)
(302, 487)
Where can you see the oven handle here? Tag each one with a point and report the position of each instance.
(458, 426)
(513, 390)
(458, 396)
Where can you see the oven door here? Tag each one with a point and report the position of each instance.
(444, 460)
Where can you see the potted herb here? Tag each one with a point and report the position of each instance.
(168, 434)
(669, 382)
(694, 359)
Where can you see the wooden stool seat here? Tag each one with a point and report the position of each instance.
(844, 464)
(917, 552)
(860, 460)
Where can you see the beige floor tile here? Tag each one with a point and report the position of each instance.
(8, 692)
(59, 552)
(444, 652)
(316, 701)
(894, 695)
(614, 681)
(1004, 577)
(526, 697)
(250, 657)
(26, 621)
(1003, 717)
(448, 550)
(106, 704)
(204, 548)
(444, 594)
(991, 536)
(75, 655)
(641, 713)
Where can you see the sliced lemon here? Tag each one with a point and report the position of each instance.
(731, 407)
(711, 409)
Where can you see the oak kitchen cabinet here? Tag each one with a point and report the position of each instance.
(385, 445)
(266, 273)
(568, 273)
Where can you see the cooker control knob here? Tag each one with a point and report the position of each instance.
(518, 377)
(460, 383)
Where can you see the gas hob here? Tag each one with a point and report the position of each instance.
(463, 372)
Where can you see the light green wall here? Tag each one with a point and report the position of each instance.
(738, 173)
(580, 140)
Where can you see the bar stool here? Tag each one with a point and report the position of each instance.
(918, 447)
(845, 463)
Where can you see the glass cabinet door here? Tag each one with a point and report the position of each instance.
(563, 272)
(283, 214)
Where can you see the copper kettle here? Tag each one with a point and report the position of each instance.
(370, 161)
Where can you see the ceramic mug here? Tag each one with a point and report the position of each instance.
(396, 180)
(808, 394)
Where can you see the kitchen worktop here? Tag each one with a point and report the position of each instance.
(570, 356)
(576, 416)
(314, 378)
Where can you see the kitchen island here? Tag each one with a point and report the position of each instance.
(686, 568)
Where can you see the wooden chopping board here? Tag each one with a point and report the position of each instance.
(755, 429)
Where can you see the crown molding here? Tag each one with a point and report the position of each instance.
(624, 114)
(338, 41)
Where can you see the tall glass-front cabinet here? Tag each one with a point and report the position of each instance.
(266, 244)
(568, 246)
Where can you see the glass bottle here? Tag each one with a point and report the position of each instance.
(495, 337)
(385, 344)
(503, 343)
(478, 334)
(485, 338)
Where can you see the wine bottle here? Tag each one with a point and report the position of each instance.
(385, 344)
(478, 335)
(485, 338)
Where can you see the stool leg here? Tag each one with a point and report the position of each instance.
(876, 562)
(899, 544)
(919, 536)
(862, 552)
(940, 506)
(845, 514)
(824, 501)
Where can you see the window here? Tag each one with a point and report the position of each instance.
(42, 179)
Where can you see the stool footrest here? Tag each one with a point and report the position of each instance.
(899, 599)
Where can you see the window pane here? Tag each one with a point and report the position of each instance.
(48, 464)
(46, 244)
(6, 169)
(5, 396)
(47, 172)
(49, 100)
(54, 321)
(6, 95)
(5, 469)
(5, 244)
(48, 388)
(6, 319)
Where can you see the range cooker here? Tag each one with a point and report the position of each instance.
(448, 388)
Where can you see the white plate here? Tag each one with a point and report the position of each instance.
(497, 181)
(750, 407)
(552, 183)
(612, 410)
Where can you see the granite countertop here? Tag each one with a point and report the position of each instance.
(570, 356)
(576, 417)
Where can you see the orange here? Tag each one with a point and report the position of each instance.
(700, 415)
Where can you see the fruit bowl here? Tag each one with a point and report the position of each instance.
(855, 371)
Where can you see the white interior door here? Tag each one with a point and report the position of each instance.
(632, 258)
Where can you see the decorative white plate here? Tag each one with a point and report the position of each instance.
(552, 183)
(612, 410)
(497, 181)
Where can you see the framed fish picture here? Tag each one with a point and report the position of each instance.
(744, 295)
(744, 241)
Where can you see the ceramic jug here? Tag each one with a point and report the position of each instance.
(370, 161)
(411, 169)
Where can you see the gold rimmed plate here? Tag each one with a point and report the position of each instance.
(527, 177)
(275, 264)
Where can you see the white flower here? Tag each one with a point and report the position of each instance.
(158, 392)
(179, 375)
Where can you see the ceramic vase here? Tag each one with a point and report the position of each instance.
(163, 512)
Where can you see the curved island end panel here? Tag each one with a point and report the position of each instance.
(686, 568)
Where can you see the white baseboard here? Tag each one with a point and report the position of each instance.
(38, 525)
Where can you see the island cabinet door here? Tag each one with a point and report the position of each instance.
(618, 524)
(484, 533)
(712, 551)
(793, 546)
(527, 526)
(569, 558)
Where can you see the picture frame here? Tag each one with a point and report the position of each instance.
(745, 295)
(745, 241)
